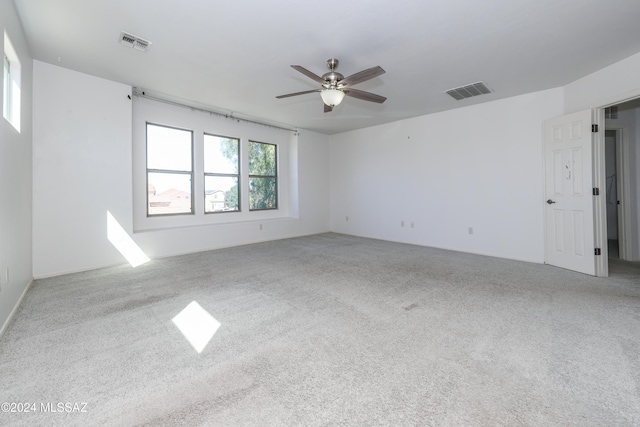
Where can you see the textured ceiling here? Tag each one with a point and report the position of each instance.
(235, 56)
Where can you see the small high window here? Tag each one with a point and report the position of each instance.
(263, 176)
(11, 84)
(169, 170)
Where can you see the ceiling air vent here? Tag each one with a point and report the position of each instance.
(468, 91)
(135, 42)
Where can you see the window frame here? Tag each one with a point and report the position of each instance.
(238, 176)
(7, 98)
(249, 175)
(12, 84)
(168, 171)
(146, 109)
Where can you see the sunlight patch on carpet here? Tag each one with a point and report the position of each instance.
(197, 325)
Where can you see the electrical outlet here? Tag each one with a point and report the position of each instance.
(412, 224)
(401, 223)
(260, 226)
(346, 218)
(470, 230)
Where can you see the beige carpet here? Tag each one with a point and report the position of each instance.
(327, 330)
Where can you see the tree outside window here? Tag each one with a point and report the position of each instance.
(221, 174)
(263, 176)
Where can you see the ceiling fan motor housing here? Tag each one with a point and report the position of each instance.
(332, 77)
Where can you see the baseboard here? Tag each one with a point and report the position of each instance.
(15, 309)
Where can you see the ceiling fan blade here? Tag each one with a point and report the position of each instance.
(297, 93)
(309, 74)
(362, 76)
(327, 108)
(365, 96)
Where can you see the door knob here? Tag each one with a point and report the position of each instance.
(550, 202)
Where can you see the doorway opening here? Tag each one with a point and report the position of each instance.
(611, 142)
(622, 181)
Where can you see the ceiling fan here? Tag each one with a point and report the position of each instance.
(335, 86)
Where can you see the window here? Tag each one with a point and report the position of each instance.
(7, 88)
(11, 85)
(221, 174)
(263, 176)
(169, 170)
(227, 185)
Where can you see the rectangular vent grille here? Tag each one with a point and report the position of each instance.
(135, 42)
(611, 112)
(468, 91)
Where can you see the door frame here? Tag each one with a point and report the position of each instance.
(599, 202)
(600, 181)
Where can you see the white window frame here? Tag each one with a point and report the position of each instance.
(169, 171)
(201, 123)
(6, 104)
(11, 104)
(254, 176)
(238, 175)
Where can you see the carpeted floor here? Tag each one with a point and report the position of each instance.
(328, 330)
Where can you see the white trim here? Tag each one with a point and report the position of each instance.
(599, 202)
(12, 98)
(619, 99)
(15, 309)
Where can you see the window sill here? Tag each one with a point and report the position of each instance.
(224, 220)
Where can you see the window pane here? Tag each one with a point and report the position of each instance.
(220, 154)
(169, 193)
(262, 159)
(6, 90)
(168, 148)
(221, 194)
(262, 193)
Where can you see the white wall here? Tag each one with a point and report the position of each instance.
(479, 166)
(15, 179)
(83, 168)
(612, 84)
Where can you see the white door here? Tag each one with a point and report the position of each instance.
(568, 192)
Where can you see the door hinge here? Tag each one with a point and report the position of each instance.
(594, 128)
(596, 191)
(598, 251)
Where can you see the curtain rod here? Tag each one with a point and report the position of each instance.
(141, 94)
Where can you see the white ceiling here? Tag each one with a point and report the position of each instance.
(235, 56)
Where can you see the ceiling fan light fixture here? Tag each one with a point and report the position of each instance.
(332, 97)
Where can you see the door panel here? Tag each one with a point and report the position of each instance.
(568, 182)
